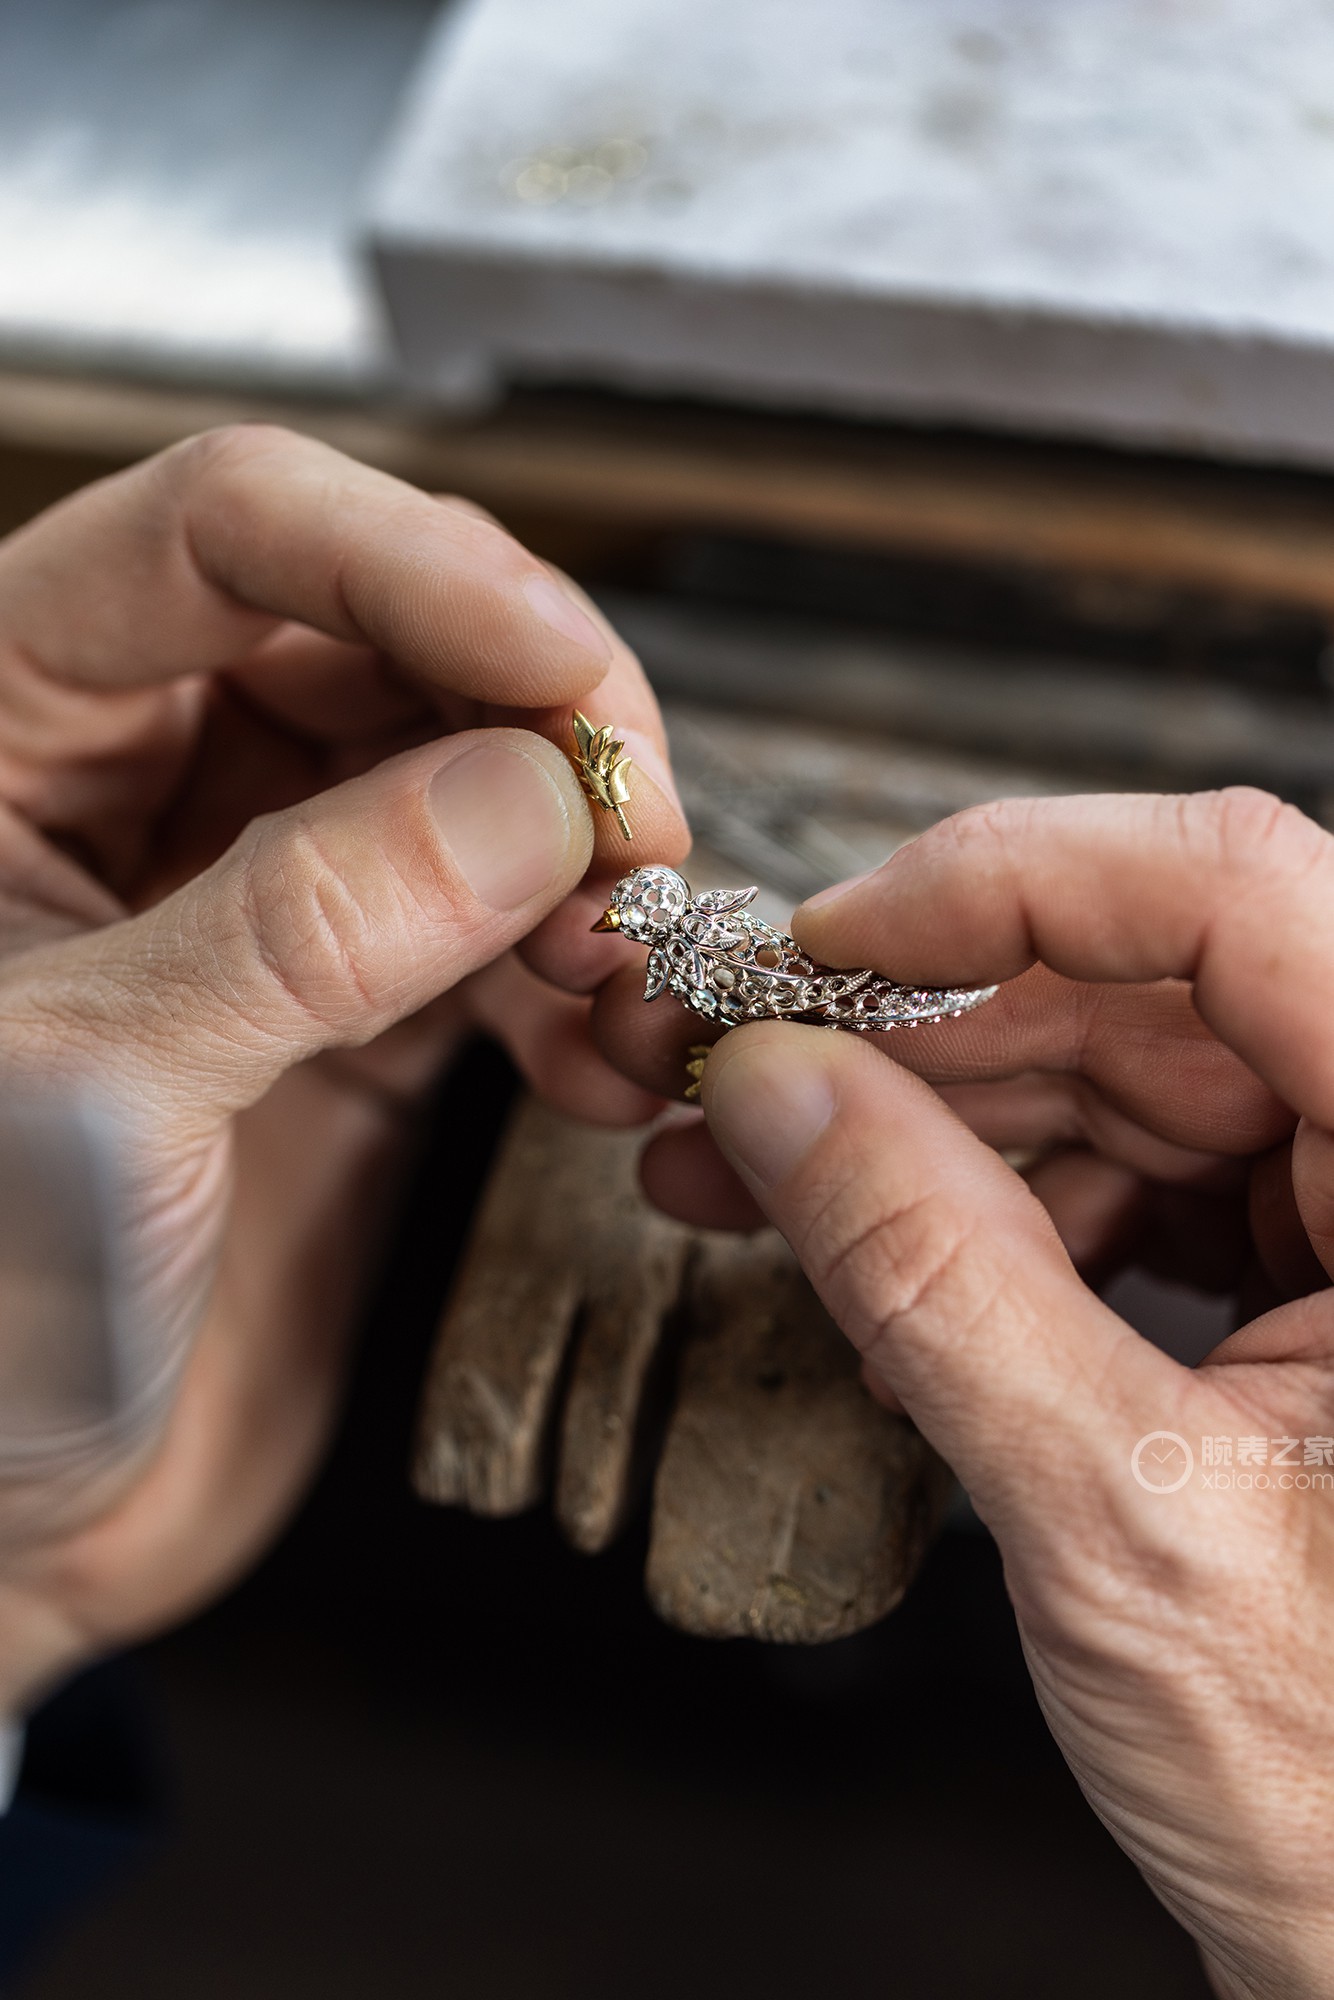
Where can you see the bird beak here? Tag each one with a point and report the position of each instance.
(610, 920)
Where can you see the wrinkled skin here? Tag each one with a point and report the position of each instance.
(232, 681)
(1166, 1041)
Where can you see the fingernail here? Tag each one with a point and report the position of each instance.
(769, 1104)
(647, 758)
(504, 822)
(549, 602)
(832, 894)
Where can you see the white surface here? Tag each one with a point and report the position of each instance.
(1110, 217)
(178, 177)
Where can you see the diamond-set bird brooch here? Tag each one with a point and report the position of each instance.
(731, 966)
(728, 964)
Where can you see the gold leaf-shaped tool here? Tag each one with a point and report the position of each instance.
(604, 772)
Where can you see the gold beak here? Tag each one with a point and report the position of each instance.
(610, 920)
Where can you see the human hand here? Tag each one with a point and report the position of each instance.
(280, 788)
(1178, 1638)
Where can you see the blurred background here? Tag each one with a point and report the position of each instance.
(940, 394)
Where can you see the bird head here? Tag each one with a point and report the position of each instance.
(646, 903)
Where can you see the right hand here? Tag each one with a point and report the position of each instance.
(1178, 1022)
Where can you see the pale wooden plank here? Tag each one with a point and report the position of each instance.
(1235, 532)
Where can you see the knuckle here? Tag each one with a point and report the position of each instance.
(215, 453)
(1249, 830)
(984, 835)
(975, 826)
(472, 510)
(310, 930)
(894, 1267)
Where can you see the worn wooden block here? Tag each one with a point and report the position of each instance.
(629, 1301)
(564, 1253)
(788, 1505)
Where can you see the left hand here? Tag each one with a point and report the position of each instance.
(266, 722)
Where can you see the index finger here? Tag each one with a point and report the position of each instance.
(1232, 890)
(182, 563)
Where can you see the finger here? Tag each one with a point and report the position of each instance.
(1109, 1218)
(683, 1173)
(876, 1386)
(624, 700)
(566, 950)
(1297, 1330)
(546, 1034)
(1093, 1199)
(43, 894)
(232, 531)
(1297, 1258)
(347, 698)
(649, 1042)
(1045, 1111)
(1231, 890)
(938, 1262)
(463, 505)
(1143, 1048)
(338, 693)
(1096, 1208)
(330, 691)
(339, 709)
(321, 927)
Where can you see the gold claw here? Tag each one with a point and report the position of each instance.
(698, 1056)
(603, 771)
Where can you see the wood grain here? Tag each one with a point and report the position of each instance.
(630, 1299)
(788, 1505)
(567, 1269)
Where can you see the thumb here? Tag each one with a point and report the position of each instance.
(937, 1261)
(318, 929)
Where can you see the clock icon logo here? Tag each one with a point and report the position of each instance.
(1162, 1462)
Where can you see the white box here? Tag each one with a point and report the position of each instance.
(1106, 218)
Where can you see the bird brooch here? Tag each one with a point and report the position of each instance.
(731, 966)
(724, 962)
